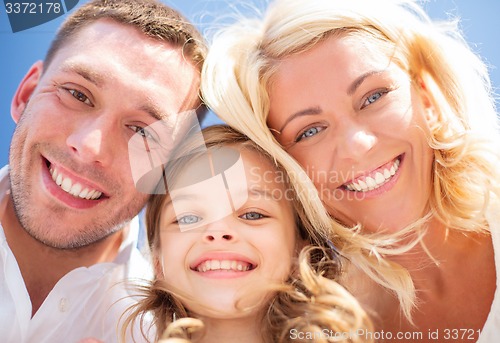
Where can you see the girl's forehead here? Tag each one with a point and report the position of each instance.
(235, 160)
(222, 181)
(203, 166)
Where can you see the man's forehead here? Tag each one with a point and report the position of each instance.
(161, 88)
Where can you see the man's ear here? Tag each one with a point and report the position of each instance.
(25, 90)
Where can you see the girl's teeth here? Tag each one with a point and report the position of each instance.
(215, 265)
(223, 265)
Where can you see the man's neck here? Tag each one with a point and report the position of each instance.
(42, 266)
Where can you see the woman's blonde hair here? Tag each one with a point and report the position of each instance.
(465, 136)
(310, 301)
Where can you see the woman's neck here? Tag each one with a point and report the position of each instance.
(444, 269)
(442, 253)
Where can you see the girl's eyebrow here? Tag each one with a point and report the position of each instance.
(179, 197)
(264, 193)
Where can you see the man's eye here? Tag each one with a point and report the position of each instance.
(189, 219)
(251, 216)
(142, 131)
(80, 96)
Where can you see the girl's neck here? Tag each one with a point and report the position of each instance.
(241, 330)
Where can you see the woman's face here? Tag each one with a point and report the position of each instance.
(353, 120)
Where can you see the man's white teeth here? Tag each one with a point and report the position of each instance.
(370, 183)
(223, 265)
(74, 188)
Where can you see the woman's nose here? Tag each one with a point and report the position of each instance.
(355, 143)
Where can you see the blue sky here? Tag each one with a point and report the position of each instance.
(19, 50)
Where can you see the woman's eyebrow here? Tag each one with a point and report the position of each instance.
(306, 112)
(359, 80)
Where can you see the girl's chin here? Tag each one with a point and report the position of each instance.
(222, 313)
(227, 310)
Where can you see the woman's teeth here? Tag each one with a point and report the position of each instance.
(72, 187)
(369, 183)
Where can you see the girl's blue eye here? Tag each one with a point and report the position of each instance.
(312, 131)
(252, 216)
(188, 219)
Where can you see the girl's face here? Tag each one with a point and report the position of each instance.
(225, 239)
(353, 120)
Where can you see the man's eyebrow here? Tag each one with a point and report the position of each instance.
(98, 78)
(358, 81)
(306, 112)
(154, 111)
(90, 75)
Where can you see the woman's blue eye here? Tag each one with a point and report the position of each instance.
(252, 216)
(188, 219)
(374, 97)
(309, 133)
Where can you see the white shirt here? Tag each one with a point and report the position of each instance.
(86, 302)
(491, 330)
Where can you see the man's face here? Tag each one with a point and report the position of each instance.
(69, 159)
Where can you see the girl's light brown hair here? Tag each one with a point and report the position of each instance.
(311, 300)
